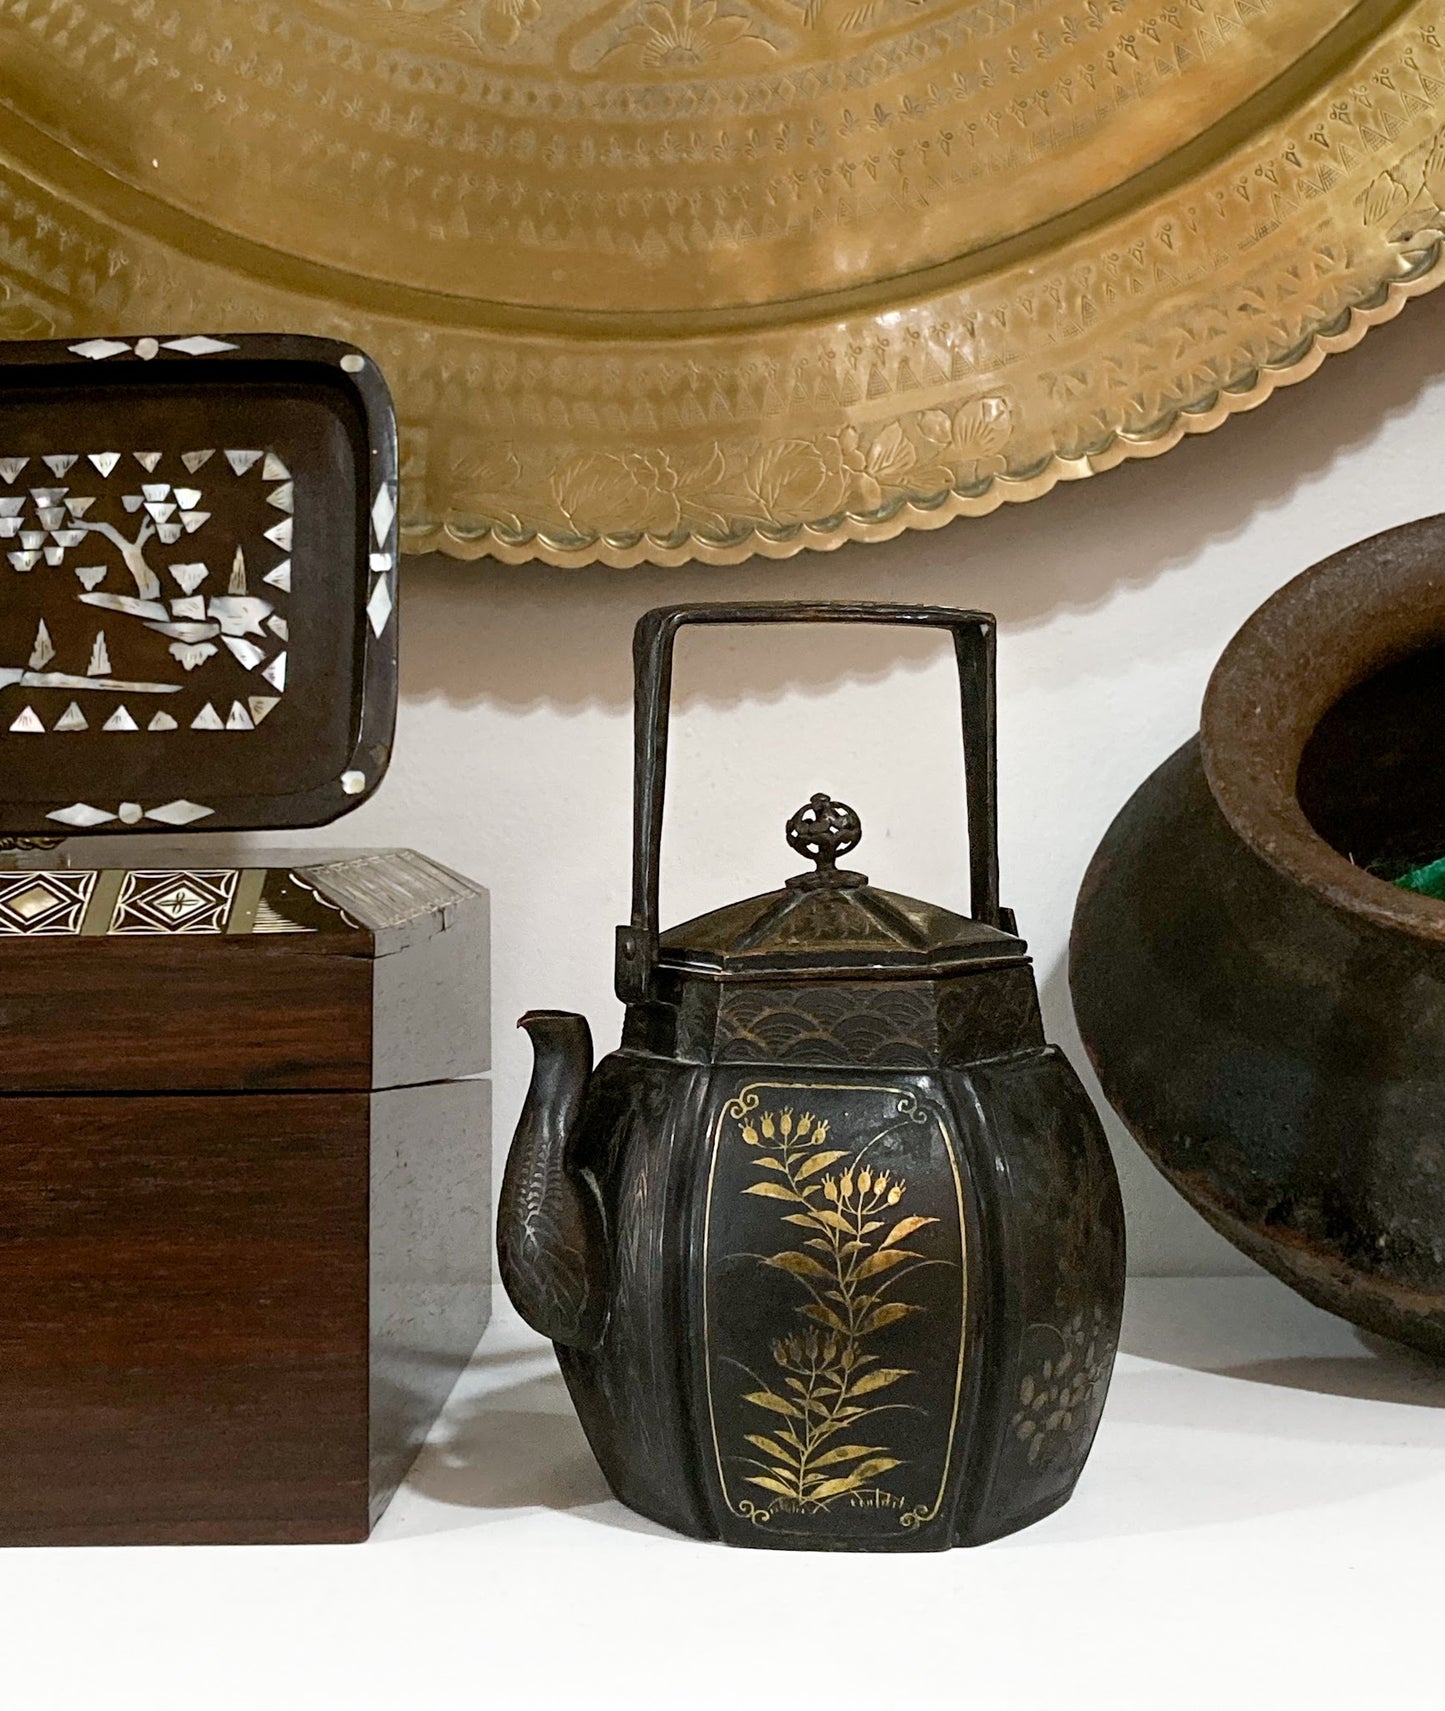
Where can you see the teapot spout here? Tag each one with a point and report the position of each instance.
(550, 1233)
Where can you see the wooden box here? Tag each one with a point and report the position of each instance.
(244, 1170)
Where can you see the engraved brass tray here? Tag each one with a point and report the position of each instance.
(670, 279)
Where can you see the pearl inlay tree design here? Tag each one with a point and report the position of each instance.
(182, 615)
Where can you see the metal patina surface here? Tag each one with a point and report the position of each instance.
(831, 1248)
(671, 279)
(1266, 1015)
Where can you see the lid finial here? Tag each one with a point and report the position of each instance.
(823, 829)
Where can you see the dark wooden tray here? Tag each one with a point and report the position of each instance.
(197, 583)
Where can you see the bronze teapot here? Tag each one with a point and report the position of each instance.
(832, 1248)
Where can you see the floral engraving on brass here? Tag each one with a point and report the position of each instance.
(829, 1395)
(669, 279)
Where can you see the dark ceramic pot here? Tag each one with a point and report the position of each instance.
(1267, 1016)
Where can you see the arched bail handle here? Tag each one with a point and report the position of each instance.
(652, 652)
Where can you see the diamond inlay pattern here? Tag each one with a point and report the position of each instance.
(46, 904)
(175, 902)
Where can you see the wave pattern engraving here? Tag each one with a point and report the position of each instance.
(830, 1025)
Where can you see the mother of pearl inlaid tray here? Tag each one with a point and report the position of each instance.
(197, 583)
(670, 279)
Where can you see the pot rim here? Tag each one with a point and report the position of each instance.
(1332, 627)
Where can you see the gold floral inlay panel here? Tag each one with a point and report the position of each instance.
(660, 279)
(835, 1214)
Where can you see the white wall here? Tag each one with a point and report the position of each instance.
(1114, 597)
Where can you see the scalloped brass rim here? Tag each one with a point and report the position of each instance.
(948, 506)
(883, 264)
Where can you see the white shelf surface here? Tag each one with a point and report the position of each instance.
(1260, 1525)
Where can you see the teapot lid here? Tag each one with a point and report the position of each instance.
(831, 923)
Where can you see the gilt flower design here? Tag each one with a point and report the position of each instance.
(1059, 1401)
(822, 1403)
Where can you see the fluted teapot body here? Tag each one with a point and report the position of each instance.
(831, 1248)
